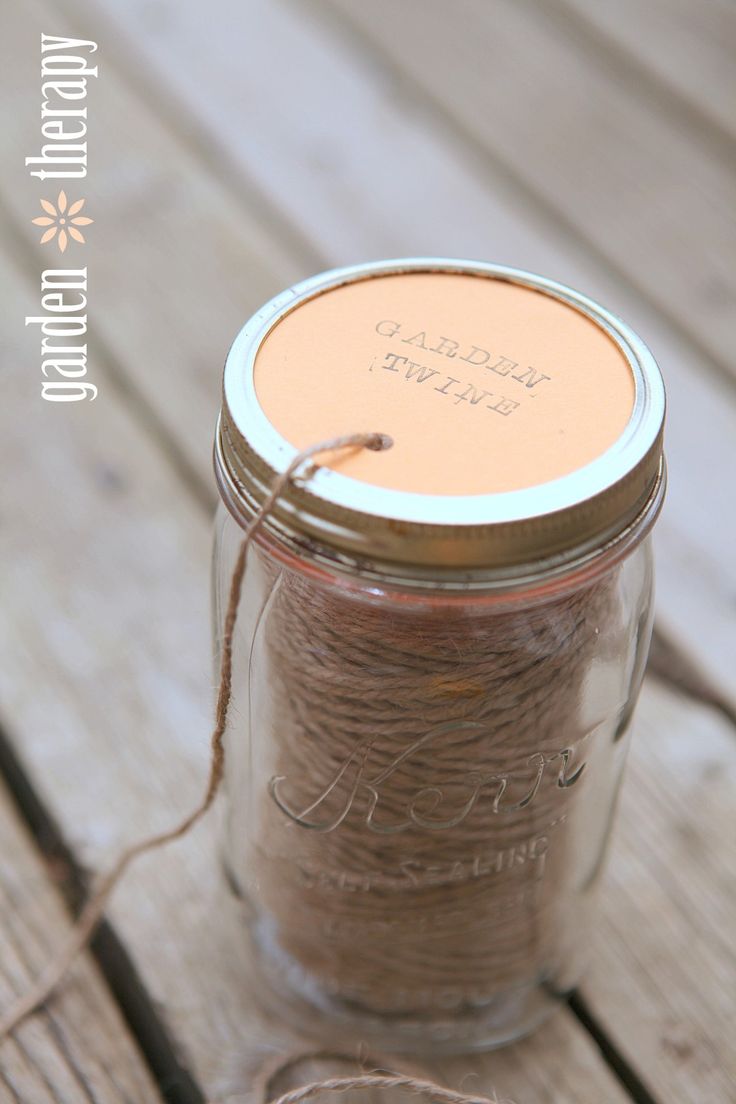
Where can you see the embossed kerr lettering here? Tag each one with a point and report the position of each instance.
(434, 807)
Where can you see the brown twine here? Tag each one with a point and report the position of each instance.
(413, 854)
(380, 1077)
(388, 719)
(381, 1081)
(92, 912)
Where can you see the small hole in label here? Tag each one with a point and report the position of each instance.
(380, 443)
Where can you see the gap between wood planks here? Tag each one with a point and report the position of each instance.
(246, 192)
(204, 497)
(568, 1026)
(200, 143)
(670, 664)
(130, 993)
(457, 133)
(126, 988)
(117, 378)
(626, 1074)
(158, 1049)
(669, 98)
(72, 880)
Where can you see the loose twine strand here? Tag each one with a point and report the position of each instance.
(92, 913)
(380, 1081)
(515, 680)
(379, 1077)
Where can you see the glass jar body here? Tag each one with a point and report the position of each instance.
(420, 787)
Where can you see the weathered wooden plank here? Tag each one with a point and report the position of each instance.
(688, 47)
(372, 177)
(161, 634)
(175, 261)
(109, 691)
(78, 1049)
(641, 185)
(663, 976)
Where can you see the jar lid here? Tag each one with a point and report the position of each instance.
(526, 419)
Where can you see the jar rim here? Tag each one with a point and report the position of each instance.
(450, 537)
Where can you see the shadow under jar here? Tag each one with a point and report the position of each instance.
(438, 646)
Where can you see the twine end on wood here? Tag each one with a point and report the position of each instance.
(89, 919)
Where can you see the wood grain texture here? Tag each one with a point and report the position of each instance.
(107, 592)
(109, 694)
(177, 263)
(689, 48)
(640, 185)
(363, 172)
(78, 1049)
(663, 973)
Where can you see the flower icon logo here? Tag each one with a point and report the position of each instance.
(63, 219)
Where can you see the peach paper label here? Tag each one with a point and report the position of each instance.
(484, 386)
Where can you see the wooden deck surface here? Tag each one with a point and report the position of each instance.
(235, 147)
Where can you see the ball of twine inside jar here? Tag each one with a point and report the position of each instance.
(413, 841)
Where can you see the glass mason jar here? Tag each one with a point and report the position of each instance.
(429, 715)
